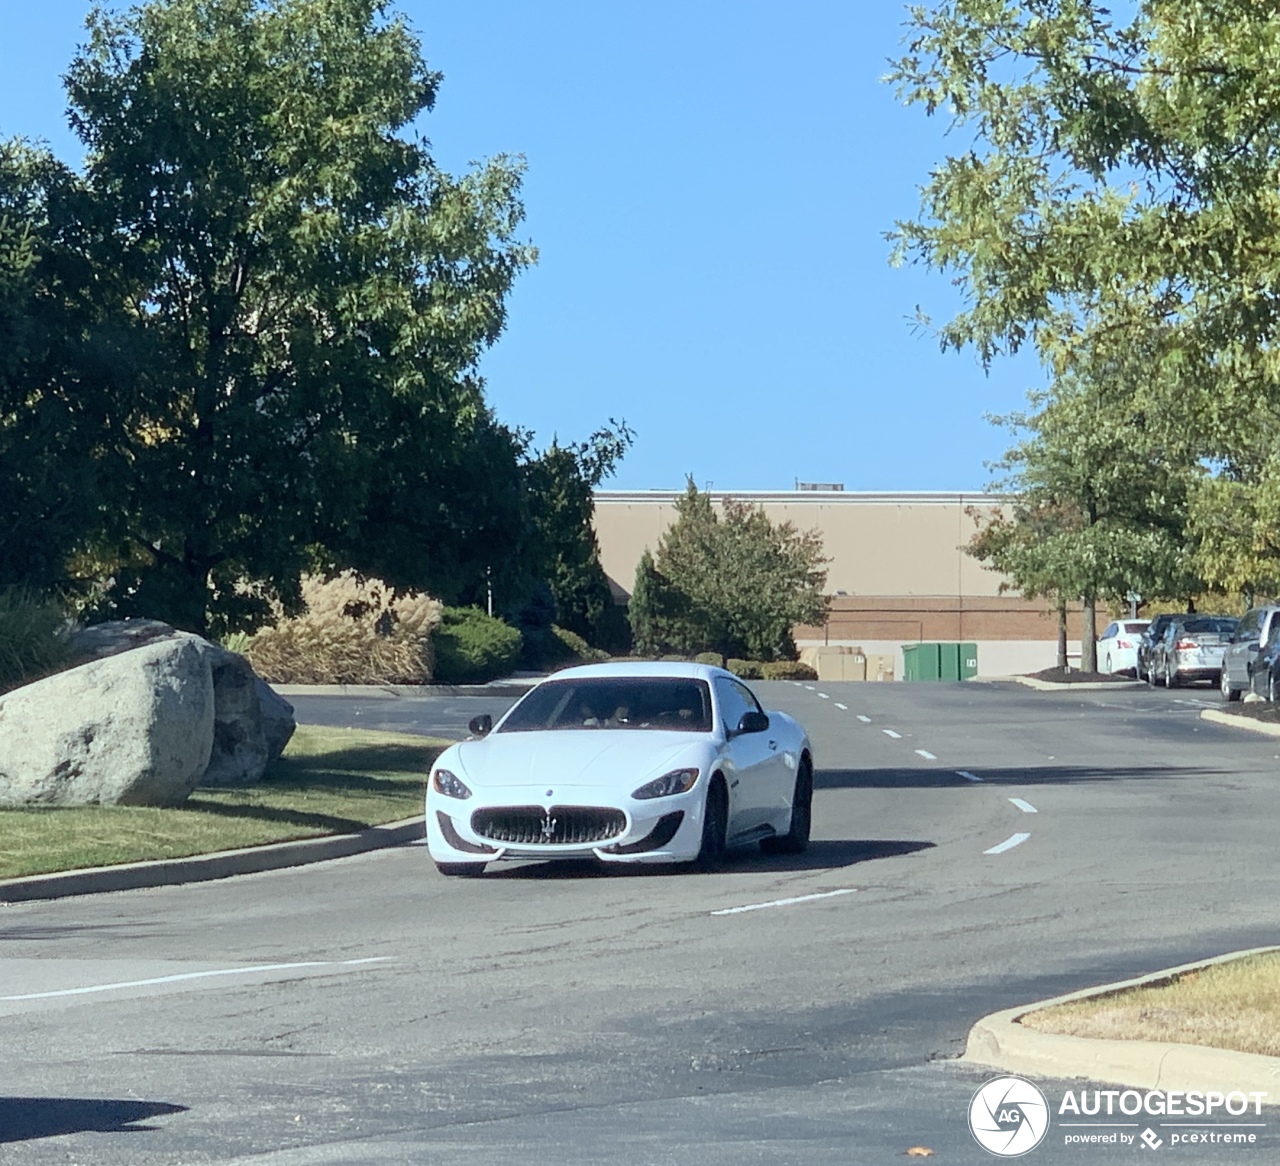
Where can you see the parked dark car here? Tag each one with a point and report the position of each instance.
(1155, 630)
(1257, 627)
(1191, 649)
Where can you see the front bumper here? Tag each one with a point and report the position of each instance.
(656, 831)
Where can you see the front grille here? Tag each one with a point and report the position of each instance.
(559, 826)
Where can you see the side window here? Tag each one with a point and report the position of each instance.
(1110, 633)
(1270, 629)
(734, 700)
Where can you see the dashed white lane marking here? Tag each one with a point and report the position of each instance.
(1025, 807)
(784, 902)
(927, 755)
(810, 688)
(824, 696)
(891, 733)
(842, 706)
(864, 720)
(967, 775)
(1008, 844)
(196, 976)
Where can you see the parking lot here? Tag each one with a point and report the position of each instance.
(976, 846)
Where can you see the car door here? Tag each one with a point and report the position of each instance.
(1238, 659)
(749, 759)
(1106, 643)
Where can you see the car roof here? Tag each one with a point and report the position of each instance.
(654, 669)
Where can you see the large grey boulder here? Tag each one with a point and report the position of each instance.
(252, 723)
(133, 729)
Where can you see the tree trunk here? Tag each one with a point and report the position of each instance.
(1089, 635)
(1062, 633)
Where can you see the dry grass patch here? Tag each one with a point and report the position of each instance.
(1234, 1005)
(330, 781)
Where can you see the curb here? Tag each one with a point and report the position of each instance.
(412, 691)
(169, 872)
(998, 1041)
(1057, 686)
(1218, 717)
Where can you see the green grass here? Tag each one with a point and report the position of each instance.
(329, 781)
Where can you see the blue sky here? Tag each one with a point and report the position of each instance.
(709, 184)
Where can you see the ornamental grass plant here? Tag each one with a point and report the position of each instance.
(355, 630)
(33, 637)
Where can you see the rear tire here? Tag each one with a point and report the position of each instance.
(1224, 686)
(715, 827)
(460, 869)
(796, 839)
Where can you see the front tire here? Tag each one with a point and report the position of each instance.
(460, 869)
(1224, 684)
(796, 839)
(715, 828)
(1272, 692)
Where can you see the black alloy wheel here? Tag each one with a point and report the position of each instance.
(796, 839)
(715, 827)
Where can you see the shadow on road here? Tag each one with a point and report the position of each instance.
(821, 855)
(25, 1118)
(1028, 775)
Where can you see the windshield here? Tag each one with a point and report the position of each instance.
(1208, 625)
(614, 702)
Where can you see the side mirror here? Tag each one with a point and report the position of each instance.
(481, 725)
(752, 722)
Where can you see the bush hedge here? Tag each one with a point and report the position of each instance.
(473, 648)
(745, 669)
(713, 658)
(786, 670)
(33, 639)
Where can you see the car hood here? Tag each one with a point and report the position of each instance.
(599, 757)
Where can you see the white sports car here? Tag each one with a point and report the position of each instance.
(626, 763)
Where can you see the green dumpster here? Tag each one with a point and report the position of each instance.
(939, 661)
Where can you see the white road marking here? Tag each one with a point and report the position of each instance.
(196, 976)
(891, 733)
(784, 902)
(926, 755)
(842, 706)
(810, 688)
(967, 775)
(864, 720)
(1025, 807)
(824, 696)
(1008, 844)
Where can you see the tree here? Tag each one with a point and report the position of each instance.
(1099, 510)
(734, 583)
(1118, 195)
(561, 483)
(307, 295)
(645, 607)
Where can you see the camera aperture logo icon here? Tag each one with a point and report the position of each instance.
(1009, 1116)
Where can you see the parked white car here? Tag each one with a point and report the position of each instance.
(1118, 645)
(639, 763)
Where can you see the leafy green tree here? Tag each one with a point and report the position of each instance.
(308, 294)
(1115, 194)
(733, 583)
(562, 481)
(1098, 509)
(649, 599)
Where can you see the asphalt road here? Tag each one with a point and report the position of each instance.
(370, 1011)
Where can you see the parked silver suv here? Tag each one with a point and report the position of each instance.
(1257, 627)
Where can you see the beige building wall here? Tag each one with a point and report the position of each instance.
(898, 571)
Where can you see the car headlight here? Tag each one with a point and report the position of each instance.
(449, 784)
(678, 781)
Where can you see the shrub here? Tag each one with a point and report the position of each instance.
(575, 649)
(33, 640)
(354, 631)
(713, 658)
(745, 669)
(787, 670)
(472, 647)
